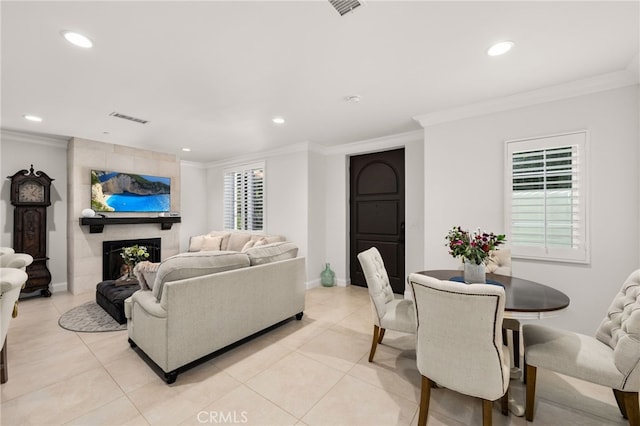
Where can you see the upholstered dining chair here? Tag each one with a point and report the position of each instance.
(459, 341)
(16, 260)
(499, 262)
(390, 311)
(611, 359)
(11, 282)
(6, 250)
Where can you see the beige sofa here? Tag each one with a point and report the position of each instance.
(206, 300)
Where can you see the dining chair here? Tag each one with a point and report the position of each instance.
(499, 262)
(16, 260)
(459, 341)
(390, 311)
(6, 250)
(611, 358)
(11, 282)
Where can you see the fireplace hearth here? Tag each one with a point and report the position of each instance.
(112, 262)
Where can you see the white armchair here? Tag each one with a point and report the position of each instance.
(459, 341)
(6, 250)
(11, 282)
(610, 359)
(16, 261)
(389, 311)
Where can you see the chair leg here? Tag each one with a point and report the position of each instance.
(374, 342)
(4, 374)
(620, 400)
(504, 403)
(487, 407)
(382, 330)
(425, 395)
(631, 407)
(516, 348)
(531, 391)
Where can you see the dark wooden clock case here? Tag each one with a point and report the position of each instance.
(30, 228)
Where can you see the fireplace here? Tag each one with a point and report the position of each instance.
(112, 262)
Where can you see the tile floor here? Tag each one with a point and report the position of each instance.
(309, 372)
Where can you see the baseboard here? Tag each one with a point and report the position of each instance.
(58, 287)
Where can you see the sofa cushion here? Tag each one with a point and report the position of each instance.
(272, 252)
(188, 265)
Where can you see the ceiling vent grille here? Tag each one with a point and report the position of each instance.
(345, 6)
(128, 117)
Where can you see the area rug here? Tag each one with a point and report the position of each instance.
(89, 317)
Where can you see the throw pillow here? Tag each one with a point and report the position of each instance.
(260, 255)
(211, 243)
(195, 243)
(248, 245)
(261, 242)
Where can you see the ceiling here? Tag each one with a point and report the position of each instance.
(210, 75)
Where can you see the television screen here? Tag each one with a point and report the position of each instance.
(129, 192)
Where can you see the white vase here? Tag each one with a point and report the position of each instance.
(474, 273)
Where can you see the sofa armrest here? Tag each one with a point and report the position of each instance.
(148, 303)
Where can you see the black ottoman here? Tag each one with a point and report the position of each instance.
(111, 298)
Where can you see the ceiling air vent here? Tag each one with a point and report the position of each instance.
(345, 6)
(128, 117)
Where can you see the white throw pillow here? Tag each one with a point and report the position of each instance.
(195, 242)
(247, 246)
(260, 255)
(211, 243)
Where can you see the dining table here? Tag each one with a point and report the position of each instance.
(524, 300)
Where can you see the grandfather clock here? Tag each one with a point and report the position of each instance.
(31, 195)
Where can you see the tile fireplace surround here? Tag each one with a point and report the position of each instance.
(84, 250)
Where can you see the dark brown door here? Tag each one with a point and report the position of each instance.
(377, 213)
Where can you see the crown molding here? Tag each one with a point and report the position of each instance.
(37, 138)
(576, 88)
(376, 144)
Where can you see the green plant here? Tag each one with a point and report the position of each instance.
(473, 247)
(133, 255)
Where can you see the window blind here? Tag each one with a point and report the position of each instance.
(244, 198)
(546, 206)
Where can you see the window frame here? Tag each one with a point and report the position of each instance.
(580, 253)
(243, 168)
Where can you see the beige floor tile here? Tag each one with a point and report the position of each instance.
(62, 401)
(295, 383)
(163, 404)
(337, 350)
(111, 345)
(118, 412)
(294, 334)
(130, 371)
(251, 358)
(392, 371)
(53, 368)
(242, 406)
(354, 402)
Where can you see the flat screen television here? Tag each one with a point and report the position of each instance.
(129, 192)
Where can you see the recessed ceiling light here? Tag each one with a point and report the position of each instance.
(186, 149)
(77, 39)
(500, 48)
(32, 118)
(353, 98)
(278, 120)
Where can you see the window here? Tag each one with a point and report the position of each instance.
(546, 189)
(244, 198)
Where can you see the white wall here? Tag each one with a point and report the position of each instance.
(195, 202)
(464, 162)
(17, 152)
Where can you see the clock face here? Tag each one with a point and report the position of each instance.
(31, 192)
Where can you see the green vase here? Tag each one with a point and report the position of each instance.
(327, 277)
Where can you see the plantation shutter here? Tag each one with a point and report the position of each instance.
(546, 206)
(244, 198)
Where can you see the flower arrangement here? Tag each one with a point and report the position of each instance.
(473, 248)
(133, 255)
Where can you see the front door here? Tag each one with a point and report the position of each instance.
(377, 213)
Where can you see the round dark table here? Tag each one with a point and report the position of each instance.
(524, 299)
